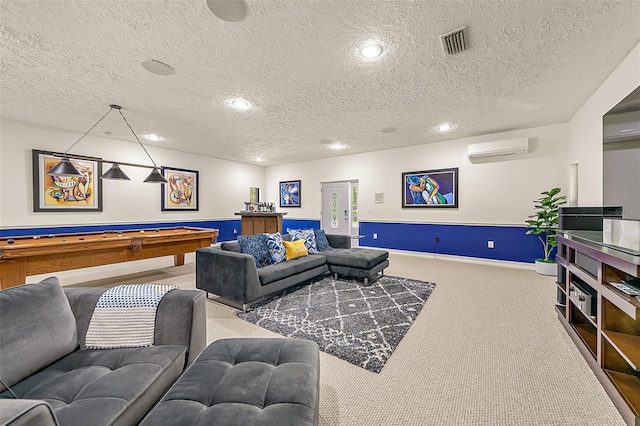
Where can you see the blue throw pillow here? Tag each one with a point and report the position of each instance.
(306, 235)
(276, 247)
(256, 246)
(321, 240)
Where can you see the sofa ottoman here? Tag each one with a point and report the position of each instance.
(357, 262)
(246, 381)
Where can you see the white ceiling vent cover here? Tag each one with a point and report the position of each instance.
(454, 41)
(498, 148)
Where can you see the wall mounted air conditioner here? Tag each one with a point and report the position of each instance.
(498, 148)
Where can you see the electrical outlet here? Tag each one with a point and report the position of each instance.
(490, 244)
(375, 236)
(235, 231)
(437, 239)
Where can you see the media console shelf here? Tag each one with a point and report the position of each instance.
(604, 322)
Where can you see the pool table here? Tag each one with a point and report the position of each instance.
(33, 255)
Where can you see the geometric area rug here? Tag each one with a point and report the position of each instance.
(360, 324)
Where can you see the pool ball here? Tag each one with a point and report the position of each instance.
(142, 232)
(52, 236)
(11, 241)
(104, 235)
(81, 238)
(119, 234)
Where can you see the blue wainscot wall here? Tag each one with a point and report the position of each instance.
(510, 242)
(225, 227)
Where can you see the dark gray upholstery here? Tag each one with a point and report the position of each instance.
(109, 387)
(97, 387)
(339, 241)
(279, 271)
(37, 328)
(231, 246)
(235, 279)
(245, 382)
(357, 257)
(26, 412)
(358, 262)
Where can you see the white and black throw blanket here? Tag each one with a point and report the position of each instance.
(360, 324)
(125, 316)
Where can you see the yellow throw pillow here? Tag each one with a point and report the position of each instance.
(295, 249)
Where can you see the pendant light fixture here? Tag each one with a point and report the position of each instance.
(65, 168)
(115, 173)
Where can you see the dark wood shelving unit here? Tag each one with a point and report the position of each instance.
(610, 339)
(589, 336)
(628, 386)
(627, 345)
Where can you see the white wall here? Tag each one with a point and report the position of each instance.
(498, 191)
(585, 142)
(224, 185)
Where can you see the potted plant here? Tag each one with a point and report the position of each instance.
(544, 224)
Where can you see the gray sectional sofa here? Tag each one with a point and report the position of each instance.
(234, 277)
(49, 379)
(53, 380)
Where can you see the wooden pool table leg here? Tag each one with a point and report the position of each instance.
(178, 259)
(13, 272)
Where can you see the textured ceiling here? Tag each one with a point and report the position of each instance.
(530, 63)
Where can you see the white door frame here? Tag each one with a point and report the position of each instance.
(353, 226)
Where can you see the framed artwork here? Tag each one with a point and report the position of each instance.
(254, 195)
(181, 190)
(290, 193)
(62, 193)
(430, 188)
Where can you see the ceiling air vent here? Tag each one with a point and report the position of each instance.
(454, 41)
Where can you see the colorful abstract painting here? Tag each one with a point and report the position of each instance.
(290, 193)
(430, 188)
(181, 190)
(65, 193)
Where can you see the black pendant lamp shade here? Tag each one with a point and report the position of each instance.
(64, 168)
(115, 172)
(155, 177)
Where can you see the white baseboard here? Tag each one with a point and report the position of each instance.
(464, 259)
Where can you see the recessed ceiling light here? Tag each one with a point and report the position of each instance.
(259, 159)
(154, 137)
(370, 49)
(444, 127)
(239, 104)
(157, 67)
(337, 146)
